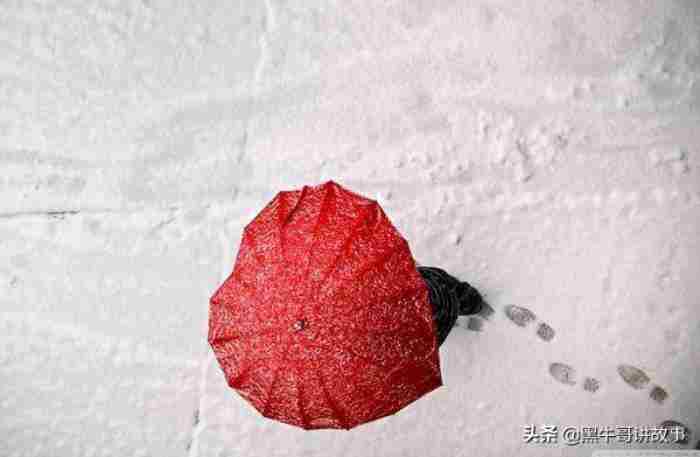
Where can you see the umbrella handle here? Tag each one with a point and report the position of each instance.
(450, 298)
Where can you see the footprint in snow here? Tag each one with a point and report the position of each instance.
(633, 376)
(638, 379)
(523, 317)
(677, 432)
(475, 322)
(566, 374)
(562, 372)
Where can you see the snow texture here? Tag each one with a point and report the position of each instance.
(548, 152)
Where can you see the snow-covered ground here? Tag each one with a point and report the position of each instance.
(546, 151)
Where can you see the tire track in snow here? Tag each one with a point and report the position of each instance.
(200, 418)
(504, 202)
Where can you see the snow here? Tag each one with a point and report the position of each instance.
(545, 151)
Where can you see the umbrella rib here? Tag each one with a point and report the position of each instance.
(269, 391)
(396, 331)
(349, 351)
(248, 292)
(367, 393)
(247, 366)
(244, 372)
(276, 376)
(314, 236)
(241, 336)
(403, 294)
(346, 244)
(283, 224)
(331, 403)
(304, 193)
(300, 398)
(282, 221)
(387, 256)
(283, 205)
(217, 341)
(366, 361)
(283, 233)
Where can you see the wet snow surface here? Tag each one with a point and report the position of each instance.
(547, 152)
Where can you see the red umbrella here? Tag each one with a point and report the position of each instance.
(325, 321)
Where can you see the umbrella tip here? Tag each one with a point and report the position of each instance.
(299, 325)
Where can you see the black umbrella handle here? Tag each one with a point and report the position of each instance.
(450, 298)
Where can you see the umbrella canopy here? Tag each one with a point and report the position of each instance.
(325, 321)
